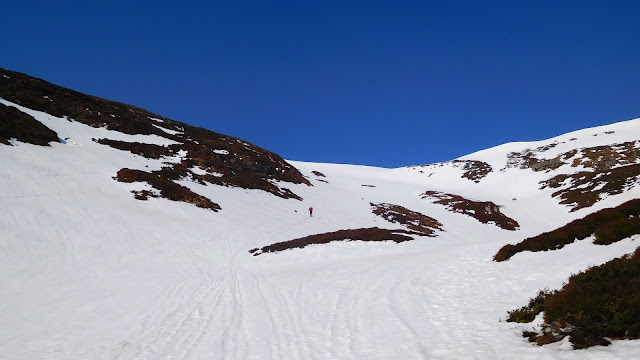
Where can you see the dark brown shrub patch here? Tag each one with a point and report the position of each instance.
(144, 194)
(528, 313)
(601, 302)
(617, 230)
(366, 234)
(484, 211)
(234, 162)
(14, 124)
(149, 151)
(597, 157)
(168, 189)
(474, 170)
(410, 219)
(40, 95)
(528, 159)
(585, 188)
(606, 219)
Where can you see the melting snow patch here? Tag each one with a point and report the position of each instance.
(168, 131)
(198, 170)
(156, 119)
(222, 152)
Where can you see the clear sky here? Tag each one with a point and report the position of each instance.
(384, 83)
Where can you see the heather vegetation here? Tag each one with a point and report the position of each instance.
(609, 225)
(528, 313)
(58, 101)
(596, 158)
(167, 188)
(585, 188)
(14, 124)
(617, 230)
(367, 234)
(410, 219)
(486, 212)
(226, 160)
(595, 306)
(473, 170)
(149, 151)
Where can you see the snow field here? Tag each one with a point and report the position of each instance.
(88, 272)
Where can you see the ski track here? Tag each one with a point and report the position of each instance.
(365, 304)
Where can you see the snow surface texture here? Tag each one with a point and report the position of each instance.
(88, 272)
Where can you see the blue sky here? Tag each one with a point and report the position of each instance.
(384, 83)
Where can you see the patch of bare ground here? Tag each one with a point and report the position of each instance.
(319, 175)
(149, 151)
(366, 234)
(226, 160)
(474, 170)
(14, 124)
(605, 157)
(609, 225)
(486, 212)
(585, 188)
(168, 189)
(596, 158)
(412, 220)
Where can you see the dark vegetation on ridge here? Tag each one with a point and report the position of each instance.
(609, 225)
(484, 211)
(221, 159)
(601, 302)
(14, 124)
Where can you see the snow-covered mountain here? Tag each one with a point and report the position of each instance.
(127, 235)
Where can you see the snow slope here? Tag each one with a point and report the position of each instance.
(88, 272)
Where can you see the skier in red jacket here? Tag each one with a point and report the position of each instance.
(310, 211)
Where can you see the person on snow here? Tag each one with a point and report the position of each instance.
(310, 211)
